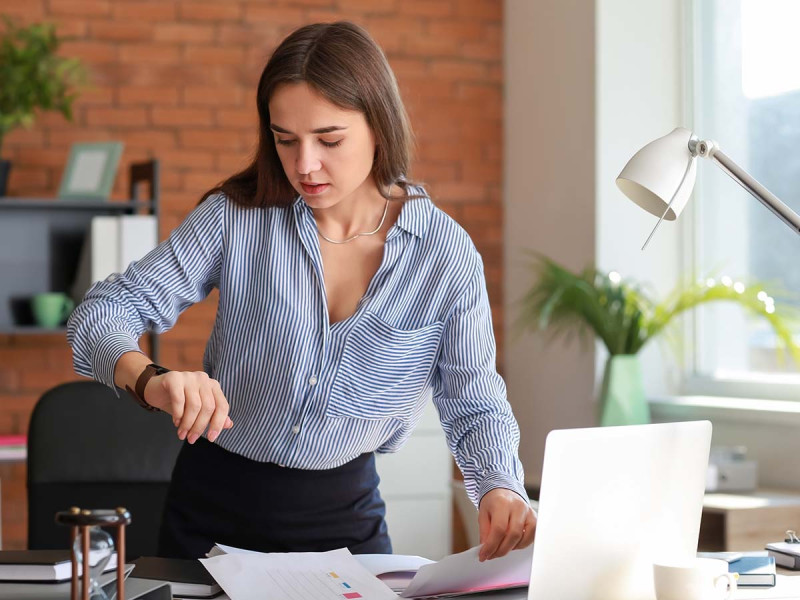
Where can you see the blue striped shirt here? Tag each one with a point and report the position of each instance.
(304, 393)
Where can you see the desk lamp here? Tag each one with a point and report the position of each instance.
(660, 177)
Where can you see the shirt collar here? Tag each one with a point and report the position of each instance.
(414, 217)
(416, 213)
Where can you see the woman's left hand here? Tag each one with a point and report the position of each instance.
(506, 523)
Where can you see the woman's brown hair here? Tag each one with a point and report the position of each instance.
(342, 62)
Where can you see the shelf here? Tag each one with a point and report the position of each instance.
(32, 330)
(42, 241)
(16, 203)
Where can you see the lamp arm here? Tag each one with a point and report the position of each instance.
(710, 149)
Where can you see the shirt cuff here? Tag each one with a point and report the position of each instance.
(501, 480)
(107, 353)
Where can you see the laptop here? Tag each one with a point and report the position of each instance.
(613, 501)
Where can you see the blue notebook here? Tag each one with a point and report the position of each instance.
(758, 570)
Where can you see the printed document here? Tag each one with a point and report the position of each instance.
(333, 575)
(463, 573)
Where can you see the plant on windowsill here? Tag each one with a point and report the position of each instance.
(32, 77)
(625, 318)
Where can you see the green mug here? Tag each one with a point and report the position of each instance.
(50, 309)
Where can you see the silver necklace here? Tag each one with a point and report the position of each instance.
(358, 235)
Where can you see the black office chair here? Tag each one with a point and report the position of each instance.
(88, 448)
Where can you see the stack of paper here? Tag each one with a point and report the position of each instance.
(395, 570)
(337, 574)
(464, 574)
(45, 565)
(332, 575)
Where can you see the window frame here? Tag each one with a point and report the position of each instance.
(693, 382)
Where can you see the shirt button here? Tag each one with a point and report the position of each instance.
(312, 380)
(296, 429)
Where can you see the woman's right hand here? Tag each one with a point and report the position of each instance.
(194, 400)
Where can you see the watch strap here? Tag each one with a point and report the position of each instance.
(149, 372)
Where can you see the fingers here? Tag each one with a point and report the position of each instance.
(207, 408)
(196, 402)
(507, 522)
(529, 531)
(220, 417)
(497, 531)
(513, 533)
(191, 410)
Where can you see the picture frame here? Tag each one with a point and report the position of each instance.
(90, 171)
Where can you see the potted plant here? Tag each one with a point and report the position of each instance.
(625, 318)
(33, 77)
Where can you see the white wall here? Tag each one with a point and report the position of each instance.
(587, 84)
(549, 202)
(640, 97)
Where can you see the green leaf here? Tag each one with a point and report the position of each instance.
(33, 76)
(623, 316)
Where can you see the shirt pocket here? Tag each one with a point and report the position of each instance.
(383, 369)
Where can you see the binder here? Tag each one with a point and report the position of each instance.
(111, 244)
(99, 255)
(138, 234)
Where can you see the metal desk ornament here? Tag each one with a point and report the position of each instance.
(85, 527)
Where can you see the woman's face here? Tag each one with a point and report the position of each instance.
(326, 151)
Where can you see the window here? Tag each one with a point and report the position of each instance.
(746, 96)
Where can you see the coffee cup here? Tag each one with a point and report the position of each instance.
(50, 309)
(695, 579)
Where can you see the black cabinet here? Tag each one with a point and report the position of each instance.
(41, 241)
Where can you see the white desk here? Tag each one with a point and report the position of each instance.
(788, 588)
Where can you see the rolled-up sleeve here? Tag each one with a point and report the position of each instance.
(470, 396)
(149, 295)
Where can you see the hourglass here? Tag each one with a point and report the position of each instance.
(89, 539)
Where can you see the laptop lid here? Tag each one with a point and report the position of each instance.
(613, 501)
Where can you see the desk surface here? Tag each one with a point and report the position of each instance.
(145, 589)
(764, 498)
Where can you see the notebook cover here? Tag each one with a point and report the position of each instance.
(42, 566)
(754, 570)
(176, 570)
(34, 557)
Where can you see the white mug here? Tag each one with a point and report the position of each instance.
(696, 579)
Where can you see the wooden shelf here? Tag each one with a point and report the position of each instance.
(32, 330)
(16, 203)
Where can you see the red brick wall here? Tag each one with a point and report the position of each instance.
(175, 80)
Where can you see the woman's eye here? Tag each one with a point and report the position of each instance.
(331, 144)
(284, 142)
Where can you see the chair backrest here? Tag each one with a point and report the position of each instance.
(90, 449)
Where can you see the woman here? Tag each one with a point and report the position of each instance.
(346, 299)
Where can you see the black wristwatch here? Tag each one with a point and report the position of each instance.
(149, 372)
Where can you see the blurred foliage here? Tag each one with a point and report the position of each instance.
(623, 316)
(32, 76)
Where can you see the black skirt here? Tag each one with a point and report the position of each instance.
(216, 496)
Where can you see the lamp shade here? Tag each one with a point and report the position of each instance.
(662, 169)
